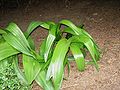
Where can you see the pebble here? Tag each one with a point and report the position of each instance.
(95, 14)
(109, 61)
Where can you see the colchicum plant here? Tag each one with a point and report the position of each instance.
(46, 67)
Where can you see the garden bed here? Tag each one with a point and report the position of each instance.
(101, 20)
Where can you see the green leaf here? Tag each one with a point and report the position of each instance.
(46, 64)
(2, 40)
(50, 39)
(78, 55)
(76, 30)
(6, 50)
(97, 50)
(89, 45)
(31, 42)
(31, 68)
(42, 48)
(16, 39)
(56, 67)
(15, 30)
(41, 80)
(37, 57)
(35, 24)
(19, 73)
(2, 31)
(16, 43)
(69, 30)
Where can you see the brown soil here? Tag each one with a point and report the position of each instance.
(101, 20)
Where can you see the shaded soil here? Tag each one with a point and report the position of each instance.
(101, 20)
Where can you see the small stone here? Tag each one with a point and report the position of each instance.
(95, 14)
(100, 19)
(109, 62)
(101, 65)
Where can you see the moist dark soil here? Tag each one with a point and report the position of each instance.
(101, 19)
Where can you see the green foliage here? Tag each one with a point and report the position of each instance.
(56, 51)
(8, 77)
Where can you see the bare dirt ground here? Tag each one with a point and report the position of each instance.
(101, 19)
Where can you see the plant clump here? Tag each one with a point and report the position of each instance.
(46, 67)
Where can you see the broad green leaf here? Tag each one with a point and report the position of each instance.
(56, 67)
(31, 42)
(46, 64)
(86, 33)
(88, 43)
(42, 48)
(2, 31)
(90, 46)
(37, 56)
(32, 27)
(41, 80)
(97, 52)
(31, 68)
(72, 28)
(78, 55)
(49, 23)
(96, 46)
(35, 24)
(2, 40)
(76, 30)
(50, 39)
(19, 73)
(6, 50)
(16, 43)
(0, 36)
(69, 30)
(15, 30)
(16, 39)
